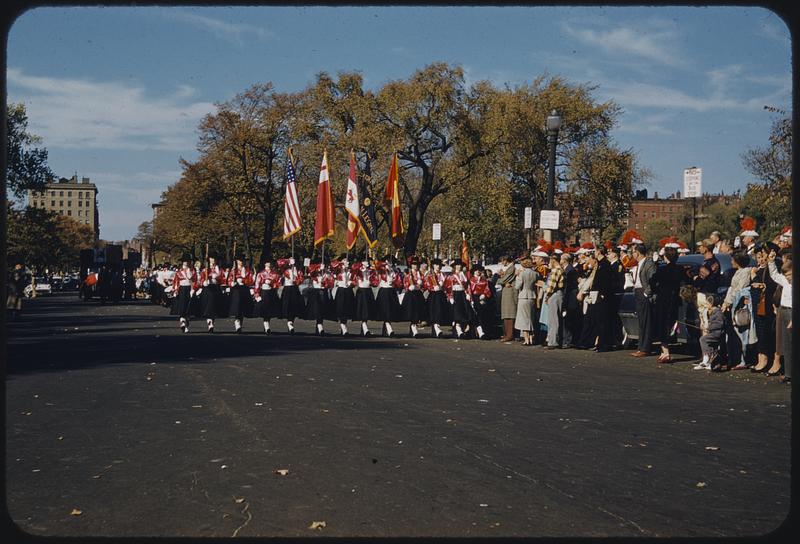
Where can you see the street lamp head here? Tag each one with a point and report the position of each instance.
(553, 121)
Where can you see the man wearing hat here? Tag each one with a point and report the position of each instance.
(438, 307)
(240, 280)
(748, 234)
(211, 279)
(183, 285)
(413, 300)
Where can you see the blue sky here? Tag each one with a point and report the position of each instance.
(117, 93)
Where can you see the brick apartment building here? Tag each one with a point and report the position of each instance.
(69, 197)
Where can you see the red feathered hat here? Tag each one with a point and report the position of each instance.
(631, 237)
(748, 225)
(608, 244)
(356, 267)
(314, 268)
(558, 247)
(283, 263)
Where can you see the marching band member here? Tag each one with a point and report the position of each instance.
(480, 294)
(211, 278)
(438, 307)
(292, 305)
(268, 305)
(321, 281)
(366, 279)
(387, 303)
(197, 290)
(456, 286)
(414, 300)
(183, 286)
(239, 281)
(343, 297)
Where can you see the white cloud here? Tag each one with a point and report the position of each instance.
(645, 42)
(85, 114)
(233, 32)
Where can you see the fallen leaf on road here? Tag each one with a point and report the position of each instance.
(649, 466)
(712, 448)
(483, 505)
(317, 525)
(492, 370)
(238, 500)
(75, 512)
(482, 400)
(282, 471)
(628, 445)
(97, 476)
(700, 484)
(642, 445)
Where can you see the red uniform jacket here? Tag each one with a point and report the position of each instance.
(351, 278)
(415, 278)
(369, 275)
(272, 279)
(298, 278)
(215, 275)
(456, 280)
(235, 274)
(478, 287)
(184, 275)
(434, 281)
(321, 280)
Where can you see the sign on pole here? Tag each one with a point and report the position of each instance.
(528, 217)
(437, 231)
(693, 182)
(548, 219)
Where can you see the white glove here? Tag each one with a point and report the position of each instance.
(411, 287)
(228, 290)
(437, 288)
(291, 261)
(206, 283)
(258, 298)
(240, 281)
(483, 297)
(197, 293)
(452, 301)
(191, 292)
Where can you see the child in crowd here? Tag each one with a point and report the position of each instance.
(712, 336)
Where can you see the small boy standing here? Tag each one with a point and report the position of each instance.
(712, 336)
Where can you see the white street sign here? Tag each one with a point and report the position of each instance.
(548, 219)
(437, 231)
(528, 217)
(692, 182)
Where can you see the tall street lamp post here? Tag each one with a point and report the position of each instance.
(553, 126)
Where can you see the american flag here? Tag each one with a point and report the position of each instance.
(291, 208)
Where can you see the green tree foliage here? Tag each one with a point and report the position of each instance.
(27, 165)
(43, 239)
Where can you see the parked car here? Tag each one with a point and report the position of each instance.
(70, 283)
(686, 331)
(41, 285)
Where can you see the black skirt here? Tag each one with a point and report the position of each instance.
(182, 302)
(413, 306)
(269, 306)
(292, 305)
(345, 302)
(241, 303)
(365, 304)
(439, 308)
(387, 304)
(462, 313)
(318, 301)
(483, 314)
(211, 302)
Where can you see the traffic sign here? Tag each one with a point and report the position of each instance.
(437, 231)
(693, 182)
(548, 219)
(528, 217)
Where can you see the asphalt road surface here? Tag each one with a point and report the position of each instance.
(117, 424)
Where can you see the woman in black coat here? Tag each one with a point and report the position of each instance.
(667, 282)
(763, 287)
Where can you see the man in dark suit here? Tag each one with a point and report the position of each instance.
(645, 298)
(604, 285)
(571, 306)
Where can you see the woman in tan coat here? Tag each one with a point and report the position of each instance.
(525, 284)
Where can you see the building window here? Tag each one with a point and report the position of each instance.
(69, 203)
(53, 203)
(61, 202)
(69, 212)
(80, 203)
(80, 213)
(61, 193)
(69, 193)
(52, 193)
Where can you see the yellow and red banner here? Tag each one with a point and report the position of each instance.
(324, 226)
(351, 205)
(392, 198)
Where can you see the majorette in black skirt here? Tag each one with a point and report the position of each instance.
(318, 301)
(387, 303)
(344, 300)
(292, 305)
(414, 308)
(439, 310)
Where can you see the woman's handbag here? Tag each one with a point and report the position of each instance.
(741, 318)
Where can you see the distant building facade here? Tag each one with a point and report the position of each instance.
(644, 210)
(69, 197)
